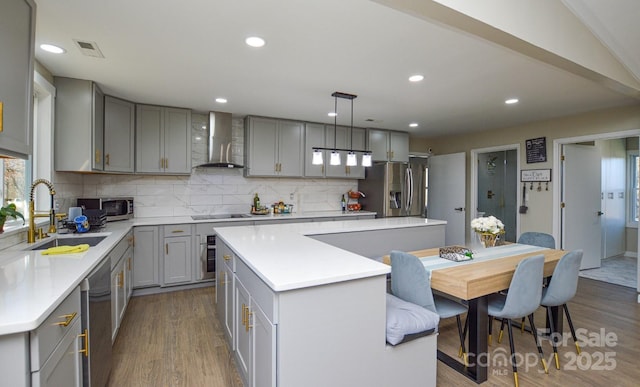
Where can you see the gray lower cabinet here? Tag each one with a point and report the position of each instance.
(119, 132)
(163, 140)
(50, 355)
(241, 310)
(56, 346)
(17, 37)
(224, 291)
(177, 257)
(120, 257)
(145, 252)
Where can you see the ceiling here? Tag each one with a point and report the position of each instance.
(187, 53)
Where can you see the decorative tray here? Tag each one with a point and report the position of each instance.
(264, 211)
(456, 253)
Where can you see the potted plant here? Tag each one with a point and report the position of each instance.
(9, 210)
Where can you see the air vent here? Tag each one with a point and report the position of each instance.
(88, 48)
(373, 120)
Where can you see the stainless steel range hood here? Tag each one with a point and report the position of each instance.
(219, 146)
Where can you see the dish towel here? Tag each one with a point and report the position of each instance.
(65, 249)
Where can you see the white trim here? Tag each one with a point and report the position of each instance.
(631, 254)
(473, 200)
(557, 148)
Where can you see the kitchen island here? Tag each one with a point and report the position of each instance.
(298, 311)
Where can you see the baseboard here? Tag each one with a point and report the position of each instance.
(159, 289)
(631, 254)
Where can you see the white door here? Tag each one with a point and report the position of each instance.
(581, 195)
(446, 195)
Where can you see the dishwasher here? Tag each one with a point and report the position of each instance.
(96, 324)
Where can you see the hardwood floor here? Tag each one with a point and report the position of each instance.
(175, 339)
(172, 339)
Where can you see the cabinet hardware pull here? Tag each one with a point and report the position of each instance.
(121, 279)
(177, 231)
(166, 163)
(223, 281)
(243, 315)
(166, 248)
(130, 240)
(226, 257)
(85, 335)
(107, 158)
(97, 156)
(68, 318)
(248, 326)
(129, 263)
(1, 116)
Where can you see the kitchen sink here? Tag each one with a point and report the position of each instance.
(70, 241)
(219, 216)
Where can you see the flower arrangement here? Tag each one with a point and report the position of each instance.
(487, 224)
(488, 229)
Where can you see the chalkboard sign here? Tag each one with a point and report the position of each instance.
(536, 150)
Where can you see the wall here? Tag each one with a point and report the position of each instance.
(540, 214)
(211, 190)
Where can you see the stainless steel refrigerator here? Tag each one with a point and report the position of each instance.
(394, 189)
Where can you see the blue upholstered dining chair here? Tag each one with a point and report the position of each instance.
(537, 239)
(561, 289)
(534, 238)
(522, 299)
(410, 282)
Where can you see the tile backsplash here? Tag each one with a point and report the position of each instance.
(205, 191)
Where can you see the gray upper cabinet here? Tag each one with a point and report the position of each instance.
(163, 140)
(79, 130)
(17, 36)
(119, 126)
(273, 147)
(386, 145)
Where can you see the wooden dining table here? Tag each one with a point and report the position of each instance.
(473, 281)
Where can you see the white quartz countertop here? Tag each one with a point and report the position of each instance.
(285, 258)
(32, 285)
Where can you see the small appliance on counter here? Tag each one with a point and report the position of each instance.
(116, 208)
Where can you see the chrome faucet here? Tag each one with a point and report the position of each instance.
(31, 236)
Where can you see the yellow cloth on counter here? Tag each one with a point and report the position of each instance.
(65, 249)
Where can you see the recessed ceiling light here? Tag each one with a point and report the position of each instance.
(254, 41)
(416, 78)
(332, 114)
(413, 125)
(51, 48)
(511, 101)
(221, 100)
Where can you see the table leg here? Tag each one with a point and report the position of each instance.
(478, 348)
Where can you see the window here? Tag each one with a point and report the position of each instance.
(633, 168)
(15, 175)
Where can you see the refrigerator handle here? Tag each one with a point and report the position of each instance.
(409, 188)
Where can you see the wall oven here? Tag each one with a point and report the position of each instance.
(208, 256)
(116, 208)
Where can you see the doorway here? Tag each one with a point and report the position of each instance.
(608, 231)
(496, 186)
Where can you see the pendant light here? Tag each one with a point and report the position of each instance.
(335, 155)
(335, 159)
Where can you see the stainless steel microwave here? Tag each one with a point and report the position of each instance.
(116, 208)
